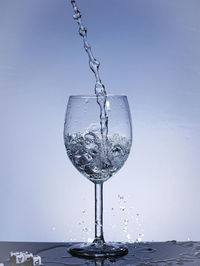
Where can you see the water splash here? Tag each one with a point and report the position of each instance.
(140, 254)
(87, 155)
(94, 66)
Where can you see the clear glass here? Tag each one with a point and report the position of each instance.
(98, 158)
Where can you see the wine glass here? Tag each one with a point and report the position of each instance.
(97, 157)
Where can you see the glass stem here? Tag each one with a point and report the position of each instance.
(99, 239)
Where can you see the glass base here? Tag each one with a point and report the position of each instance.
(94, 250)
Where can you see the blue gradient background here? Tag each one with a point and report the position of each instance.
(149, 50)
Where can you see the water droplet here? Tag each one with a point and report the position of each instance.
(126, 222)
(122, 208)
(125, 229)
(128, 236)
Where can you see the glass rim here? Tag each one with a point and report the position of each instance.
(82, 96)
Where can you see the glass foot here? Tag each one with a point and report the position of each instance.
(94, 250)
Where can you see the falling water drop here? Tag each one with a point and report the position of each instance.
(122, 208)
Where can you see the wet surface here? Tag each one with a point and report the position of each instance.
(140, 254)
